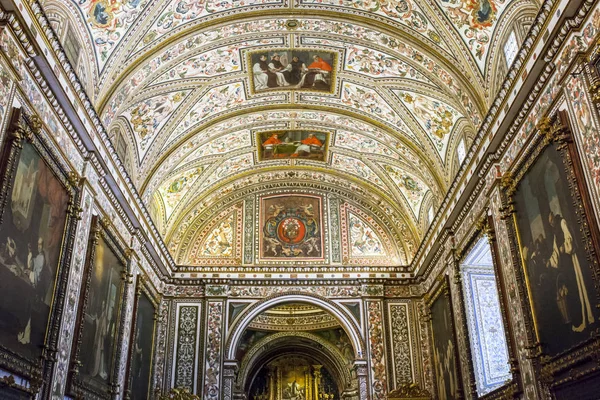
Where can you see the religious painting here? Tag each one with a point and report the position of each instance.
(141, 347)
(99, 313)
(557, 255)
(445, 361)
(292, 69)
(291, 227)
(290, 144)
(32, 230)
(293, 378)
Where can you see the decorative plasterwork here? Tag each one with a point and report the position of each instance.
(292, 322)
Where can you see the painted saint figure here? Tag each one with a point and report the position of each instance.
(564, 256)
(318, 74)
(311, 142)
(295, 70)
(262, 76)
(277, 69)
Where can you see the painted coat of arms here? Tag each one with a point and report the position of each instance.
(291, 227)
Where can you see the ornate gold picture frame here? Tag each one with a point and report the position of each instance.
(556, 244)
(141, 344)
(445, 362)
(38, 215)
(98, 337)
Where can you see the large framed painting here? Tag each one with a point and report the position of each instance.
(557, 239)
(94, 355)
(36, 219)
(291, 227)
(139, 372)
(292, 144)
(299, 69)
(448, 383)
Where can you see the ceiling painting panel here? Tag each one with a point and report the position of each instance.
(291, 228)
(293, 69)
(293, 144)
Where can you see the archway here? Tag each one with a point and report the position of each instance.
(312, 342)
(303, 364)
(340, 314)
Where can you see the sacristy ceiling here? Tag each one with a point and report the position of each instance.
(174, 79)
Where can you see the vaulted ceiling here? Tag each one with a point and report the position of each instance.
(174, 80)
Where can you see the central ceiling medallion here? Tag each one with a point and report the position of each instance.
(291, 227)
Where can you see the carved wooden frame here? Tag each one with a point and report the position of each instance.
(22, 130)
(442, 288)
(582, 359)
(485, 227)
(143, 285)
(78, 389)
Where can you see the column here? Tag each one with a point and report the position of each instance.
(362, 374)
(317, 374)
(230, 368)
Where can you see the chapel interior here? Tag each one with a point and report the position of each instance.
(299, 199)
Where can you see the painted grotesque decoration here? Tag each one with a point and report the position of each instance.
(291, 227)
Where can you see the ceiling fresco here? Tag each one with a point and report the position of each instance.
(368, 99)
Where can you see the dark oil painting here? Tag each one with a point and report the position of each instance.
(100, 317)
(557, 269)
(31, 236)
(301, 144)
(444, 350)
(141, 352)
(293, 69)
